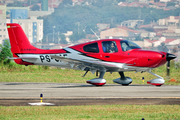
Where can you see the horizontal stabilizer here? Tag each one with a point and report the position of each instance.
(23, 58)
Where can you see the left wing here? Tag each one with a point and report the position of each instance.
(92, 64)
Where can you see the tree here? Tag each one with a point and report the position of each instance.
(35, 8)
(63, 39)
(67, 2)
(75, 36)
(171, 4)
(84, 18)
(156, 0)
(32, 2)
(118, 1)
(102, 3)
(5, 52)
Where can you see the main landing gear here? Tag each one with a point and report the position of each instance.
(125, 81)
(98, 81)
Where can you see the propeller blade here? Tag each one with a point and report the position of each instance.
(169, 57)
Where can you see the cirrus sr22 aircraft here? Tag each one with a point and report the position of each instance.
(100, 56)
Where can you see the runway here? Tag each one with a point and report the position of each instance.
(86, 94)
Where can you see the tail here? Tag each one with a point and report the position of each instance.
(18, 39)
(19, 42)
(21, 45)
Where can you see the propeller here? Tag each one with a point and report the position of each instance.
(169, 57)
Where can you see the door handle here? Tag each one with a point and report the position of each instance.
(107, 56)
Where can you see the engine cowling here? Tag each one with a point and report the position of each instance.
(97, 81)
(156, 82)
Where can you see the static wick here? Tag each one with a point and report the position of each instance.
(41, 95)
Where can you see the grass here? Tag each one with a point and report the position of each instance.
(18, 73)
(122, 112)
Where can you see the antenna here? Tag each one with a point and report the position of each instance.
(95, 34)
(139, 13)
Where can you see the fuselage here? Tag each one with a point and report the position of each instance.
(100, 56)
(131, 56)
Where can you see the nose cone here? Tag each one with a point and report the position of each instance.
(170, 56)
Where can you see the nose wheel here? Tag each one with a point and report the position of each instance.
(157, 81)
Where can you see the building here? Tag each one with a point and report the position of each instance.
(132, 23)
(44, 5)
(33, 28)
(119, 32)
(3, 31)
(19, 13)
(172, 20)
(53, 3)
(157, 5)
(156, 43)
(172, 25)
(2, 11)
(69, 33)
(102, 26)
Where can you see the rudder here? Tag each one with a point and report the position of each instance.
(21, 45)
(18, 39)
(19, 42)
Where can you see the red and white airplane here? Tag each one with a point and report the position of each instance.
(100, 56)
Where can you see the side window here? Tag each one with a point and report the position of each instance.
(124, 46)
(91, 48)
(109, 46)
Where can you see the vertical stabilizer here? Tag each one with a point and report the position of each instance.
(21, 45)
(19, 42)
(18, 39)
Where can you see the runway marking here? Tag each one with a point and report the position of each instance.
(38, 104)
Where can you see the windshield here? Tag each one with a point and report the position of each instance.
(128, 45)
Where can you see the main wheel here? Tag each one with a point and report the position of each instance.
(125, 84)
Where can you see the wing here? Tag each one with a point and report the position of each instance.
(93, 65)
(26, 58)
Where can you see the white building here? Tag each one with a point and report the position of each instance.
(3, 30)
(32, 27)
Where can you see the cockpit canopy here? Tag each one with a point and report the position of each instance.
(111, 46)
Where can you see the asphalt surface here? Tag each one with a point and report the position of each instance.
(21, 94)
